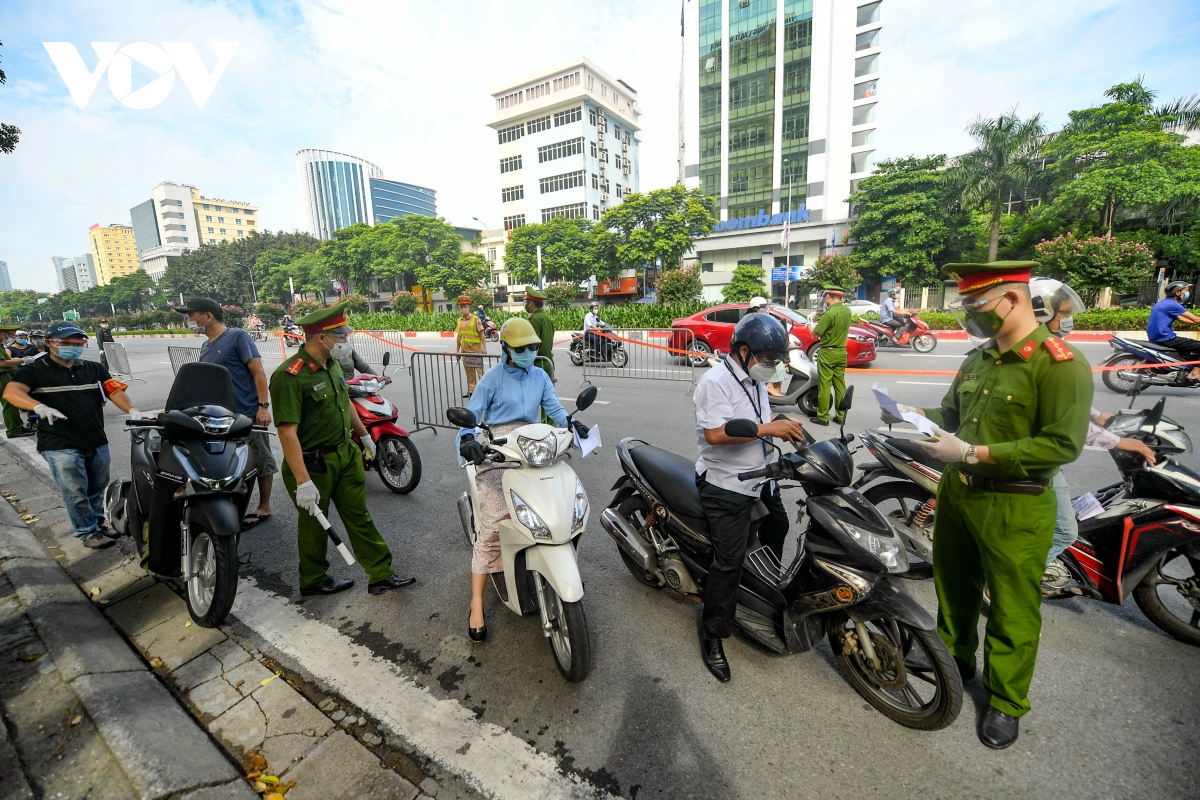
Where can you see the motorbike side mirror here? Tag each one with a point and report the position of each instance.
(462, 417)
(387, 358)
(741, 429)
(586, 398)
(847, 399)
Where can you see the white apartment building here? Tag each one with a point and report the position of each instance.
(177, 219)
(779, 99)
(568, 144)
(76, 274)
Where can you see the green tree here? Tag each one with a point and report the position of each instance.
(357, 303)
(480, 298)
(570, 252)
(681, 285)
(908, 223)
(1088, 265)
(222, 271)
(561, 295)
(1005, 166)
(836, 269)
(429, 249)
(132, 291)
(270, 313)
(9, 134)
(404, 302)
(747, 282)
(659, 226)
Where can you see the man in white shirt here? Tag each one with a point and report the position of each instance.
(737, 390)
(591, 322)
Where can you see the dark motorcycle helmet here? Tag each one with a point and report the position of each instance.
(1174, 287)
(761, 333)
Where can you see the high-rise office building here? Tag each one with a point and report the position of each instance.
(76, 274)
(778, 98)
(177, 219)
(568, 143)
(5, 281)
(341, 190)
(114, 251)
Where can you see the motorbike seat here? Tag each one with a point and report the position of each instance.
(1160, 347)
(673, 476)
(917, 453)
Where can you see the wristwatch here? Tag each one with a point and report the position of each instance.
(972, 456)
(264, 405)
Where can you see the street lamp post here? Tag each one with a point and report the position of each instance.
(253, 291)
(488, 283)
(787, 251)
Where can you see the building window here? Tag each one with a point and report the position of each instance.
(185, 238)
(864, 114)
(240, 233)
(566, 81)
(491, 256)
(859, 138)
(551, 152)
(868, 14)
(180, 202)
(861, 162)
(593, 146)
(591, 118)
(603, 90)
(595, 181)
(557, 183)
(510, 164)
(511, 134)
(206, 206)
(568, 116)
(248, 212)
(595, 212)
(573, 211)
(865, 90)
(210, 230)
(207, 217)
(515, 221)
(538, 125)
(511, 193)
(238, 221)
(706, 267)
(866, 65)
(508, 101)
(591, 81)
(534, 92)
(604, 185)
(220, 219)
(222, 230)
(216, 208)
(865, 41)
(183, 227)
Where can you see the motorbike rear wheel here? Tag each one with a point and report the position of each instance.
(916, 684)
(492, 336)
(1121, 381)
(808, 402)
(568, 635)
(213, 585)
(398, 464)
(576, 354)
(924, 343)
(1176, 609)
(900, 501)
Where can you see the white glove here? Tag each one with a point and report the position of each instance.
(368, 447)
(135, 415)
(29, 359)
(903, 409)
(308, 498)
(948, 447)
(47, 413)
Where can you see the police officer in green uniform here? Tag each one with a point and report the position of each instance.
(831, 358)
(543, 326)
(1018, 409)
(321, 463)
(14, 426)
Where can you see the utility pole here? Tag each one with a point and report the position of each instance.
(539, 256)
(787, 240)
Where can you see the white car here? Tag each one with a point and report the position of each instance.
(860, 307)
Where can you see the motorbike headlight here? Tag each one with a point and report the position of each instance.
(538, 451)
(529, 518)
(581, 507)
(888, 550)
(370, 387)
(217, 425)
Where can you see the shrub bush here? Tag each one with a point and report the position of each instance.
(639, 315)
(404, 302)
(561, 295)
(269, 313)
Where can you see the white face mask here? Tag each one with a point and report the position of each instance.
(341, 350)
(195, 327)
(766, 374)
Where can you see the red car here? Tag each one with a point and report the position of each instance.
(713, 327)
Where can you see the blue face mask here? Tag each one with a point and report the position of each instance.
(70, 352)
(24, 342)
(524, 359)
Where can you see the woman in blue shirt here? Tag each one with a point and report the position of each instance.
(1161, 328)
(509, 395)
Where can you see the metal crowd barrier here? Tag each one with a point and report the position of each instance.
(371, 345)
(439, 382)
(182, 355)
(116, 358)
(655, 354)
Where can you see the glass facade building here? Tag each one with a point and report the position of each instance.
(145, 226)
(394, 199)
(341, 190)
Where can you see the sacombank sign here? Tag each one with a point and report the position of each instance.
(763, 220)
(163, 61)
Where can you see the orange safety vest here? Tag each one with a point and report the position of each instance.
(469, 339)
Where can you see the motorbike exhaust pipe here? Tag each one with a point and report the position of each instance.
(628, 540)
(464, 513)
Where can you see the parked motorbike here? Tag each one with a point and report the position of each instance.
(799, 385)
(1145, 541)
(1132, 352)
(397, 460)
(195, 452)
(608, 349)
(837, 584)
(293, 335)
(914, 331)
(548, 510)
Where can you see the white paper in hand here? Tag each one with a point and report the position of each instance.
(922, 423)
(586, 446)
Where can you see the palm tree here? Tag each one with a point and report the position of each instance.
(1181, 114)
(1006, 164)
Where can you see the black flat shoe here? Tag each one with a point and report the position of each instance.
(476, 634)
(998, 730)
(712, 650)
(331, 586)
(815, 421)
(388, 584)
(965, 670)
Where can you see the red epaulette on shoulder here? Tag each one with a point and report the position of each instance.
(1058, 349)
(295, 366)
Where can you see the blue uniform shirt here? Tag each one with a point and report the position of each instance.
(1162, 317)
(508, 394)
(233, 349)
(887, 310)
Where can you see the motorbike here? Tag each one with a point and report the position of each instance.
(397, 460)
(257, 332)
(196, 453)
(490, 332)
(293, 335)
(609, 349)
(799, 385)
(1145, 541)
(836, 586)
(548, 511)
(914, 331)
(1133, 352)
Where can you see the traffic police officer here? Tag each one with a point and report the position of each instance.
(831, 358)
(1019, 410)
(14, 426)
(314, 416)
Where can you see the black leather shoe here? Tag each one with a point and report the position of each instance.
(388, 584)
(965, 670)
(476, 634)
(713, 652)
(331, 586)
(998, 730)
(815, 421)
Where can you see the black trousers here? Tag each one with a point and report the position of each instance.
(729, 528)
(893, 323)
(1188, 348)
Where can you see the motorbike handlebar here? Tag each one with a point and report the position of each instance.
(765, 472)
(141, 423)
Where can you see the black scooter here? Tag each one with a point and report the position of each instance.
(837, 584)
(192, 473)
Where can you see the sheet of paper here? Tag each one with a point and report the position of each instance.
(922, 423)
(1086, 506)
(586, 446)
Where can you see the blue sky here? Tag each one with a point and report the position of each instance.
(405, 85)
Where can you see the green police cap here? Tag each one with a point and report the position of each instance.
(534, 293)
(977, 277)
(829, 288)
(324, 319)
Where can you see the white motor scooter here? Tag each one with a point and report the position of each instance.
(548, 510)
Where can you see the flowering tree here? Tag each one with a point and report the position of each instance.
(561, 294)
(404, 302)
(1090, 264)
(836, 269)
(302, 308)
(679, 285)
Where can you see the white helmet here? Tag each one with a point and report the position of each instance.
(757, 302)
(1053, 298)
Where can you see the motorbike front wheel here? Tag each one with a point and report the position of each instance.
(900, 502)
(1169, 595)
(924, 343)
(213, 584)
(619, 357)
(913, 681)
(1122, 381)
(398, 464)
(567, 634)
(576, 355)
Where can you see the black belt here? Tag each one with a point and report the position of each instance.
(1002, 486)
(321, 452)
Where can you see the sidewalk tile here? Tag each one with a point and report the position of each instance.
(122, 581)
(230, 654)
(200, 669)
(214, 697)
(283, 751)
(237, 790)
(251, 674)
(81, 641)
(288, 711)
(176, 642)
(146, 609)
(341, 767)
(242, 728)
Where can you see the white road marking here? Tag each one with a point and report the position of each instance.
(927, 355)
(493, 760)
(923, 383)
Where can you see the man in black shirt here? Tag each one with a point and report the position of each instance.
(68, 393)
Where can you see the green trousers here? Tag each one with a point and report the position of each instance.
(1001, 540)
(344, 482)
(13, 424)
(831, 372)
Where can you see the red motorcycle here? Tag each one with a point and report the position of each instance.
(397, 460)
(293, 334)
(912, 331)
